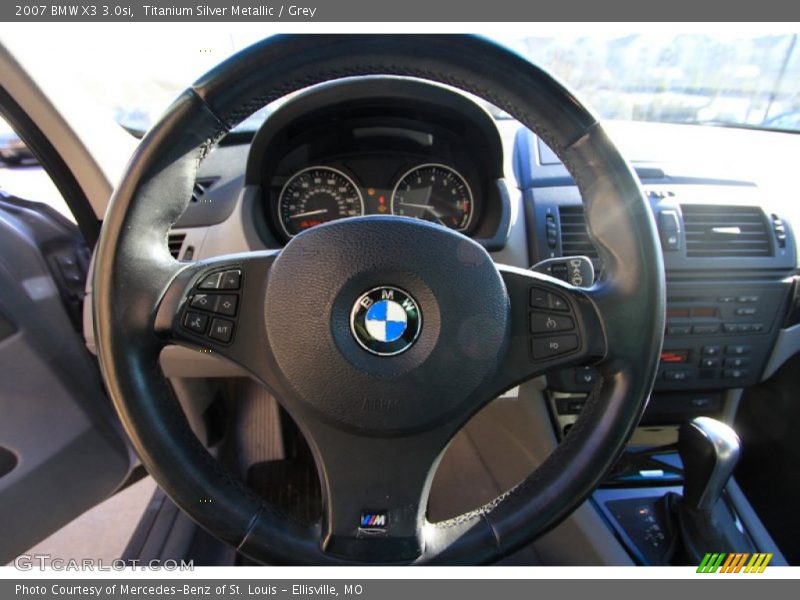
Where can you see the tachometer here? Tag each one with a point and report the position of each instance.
(435, 193)
(317, 195)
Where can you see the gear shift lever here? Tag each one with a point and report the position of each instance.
(709, 450)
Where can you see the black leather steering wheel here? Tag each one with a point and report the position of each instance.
(376, 424)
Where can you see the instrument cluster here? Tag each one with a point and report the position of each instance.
(379, 146)
(430, 191)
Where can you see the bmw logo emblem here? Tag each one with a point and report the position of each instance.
(385, 321)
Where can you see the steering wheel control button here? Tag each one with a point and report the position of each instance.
(385, 321)
(555, 345)
(230, 280)
(202, 301)
(221, 330)
(545, 323)
(585, 376)
(196, 322)
(541, 298)
(226, 304)
(210, 282)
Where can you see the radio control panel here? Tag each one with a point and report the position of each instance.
(717, 336)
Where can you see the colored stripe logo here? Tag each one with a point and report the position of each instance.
(373, 520)
(734, 563)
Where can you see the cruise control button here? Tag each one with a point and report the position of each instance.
(221, 330)
(226, 304)
(196, 322)
(203, 301)
(230, 280)
(541, 298)
(210, 282)
(543, 322)
(547, 347)
(558, 303)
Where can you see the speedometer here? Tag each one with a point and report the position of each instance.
(435, 193)
(317, 195)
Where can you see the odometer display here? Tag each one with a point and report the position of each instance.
(436, 193)
(317, 195)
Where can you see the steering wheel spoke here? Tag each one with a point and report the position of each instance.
(553, 325)
(375, 492)
(215, 307)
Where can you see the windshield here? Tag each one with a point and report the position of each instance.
(745, 80)
(111, 77)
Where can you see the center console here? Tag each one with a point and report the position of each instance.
(730, 263)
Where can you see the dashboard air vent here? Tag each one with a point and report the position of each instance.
(725, 231)
(175, 243)
(574, 237)
(201, 186)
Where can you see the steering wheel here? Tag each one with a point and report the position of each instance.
(381, 336)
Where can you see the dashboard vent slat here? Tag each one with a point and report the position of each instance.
(574, 237)
(725, 231)
(175, 243)
(201, 186)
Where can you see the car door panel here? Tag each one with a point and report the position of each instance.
(60, 449)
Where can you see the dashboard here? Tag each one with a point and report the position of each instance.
(408, 148)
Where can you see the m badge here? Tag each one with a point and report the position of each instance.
(373, 520)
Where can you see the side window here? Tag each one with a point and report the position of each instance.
(21, 175)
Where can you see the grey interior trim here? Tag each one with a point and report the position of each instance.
(786, 346)
(731, 403)
(55, 416)
(179, 361)
(753, 524)
(237, 233)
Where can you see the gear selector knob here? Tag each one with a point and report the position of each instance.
(709, 450)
